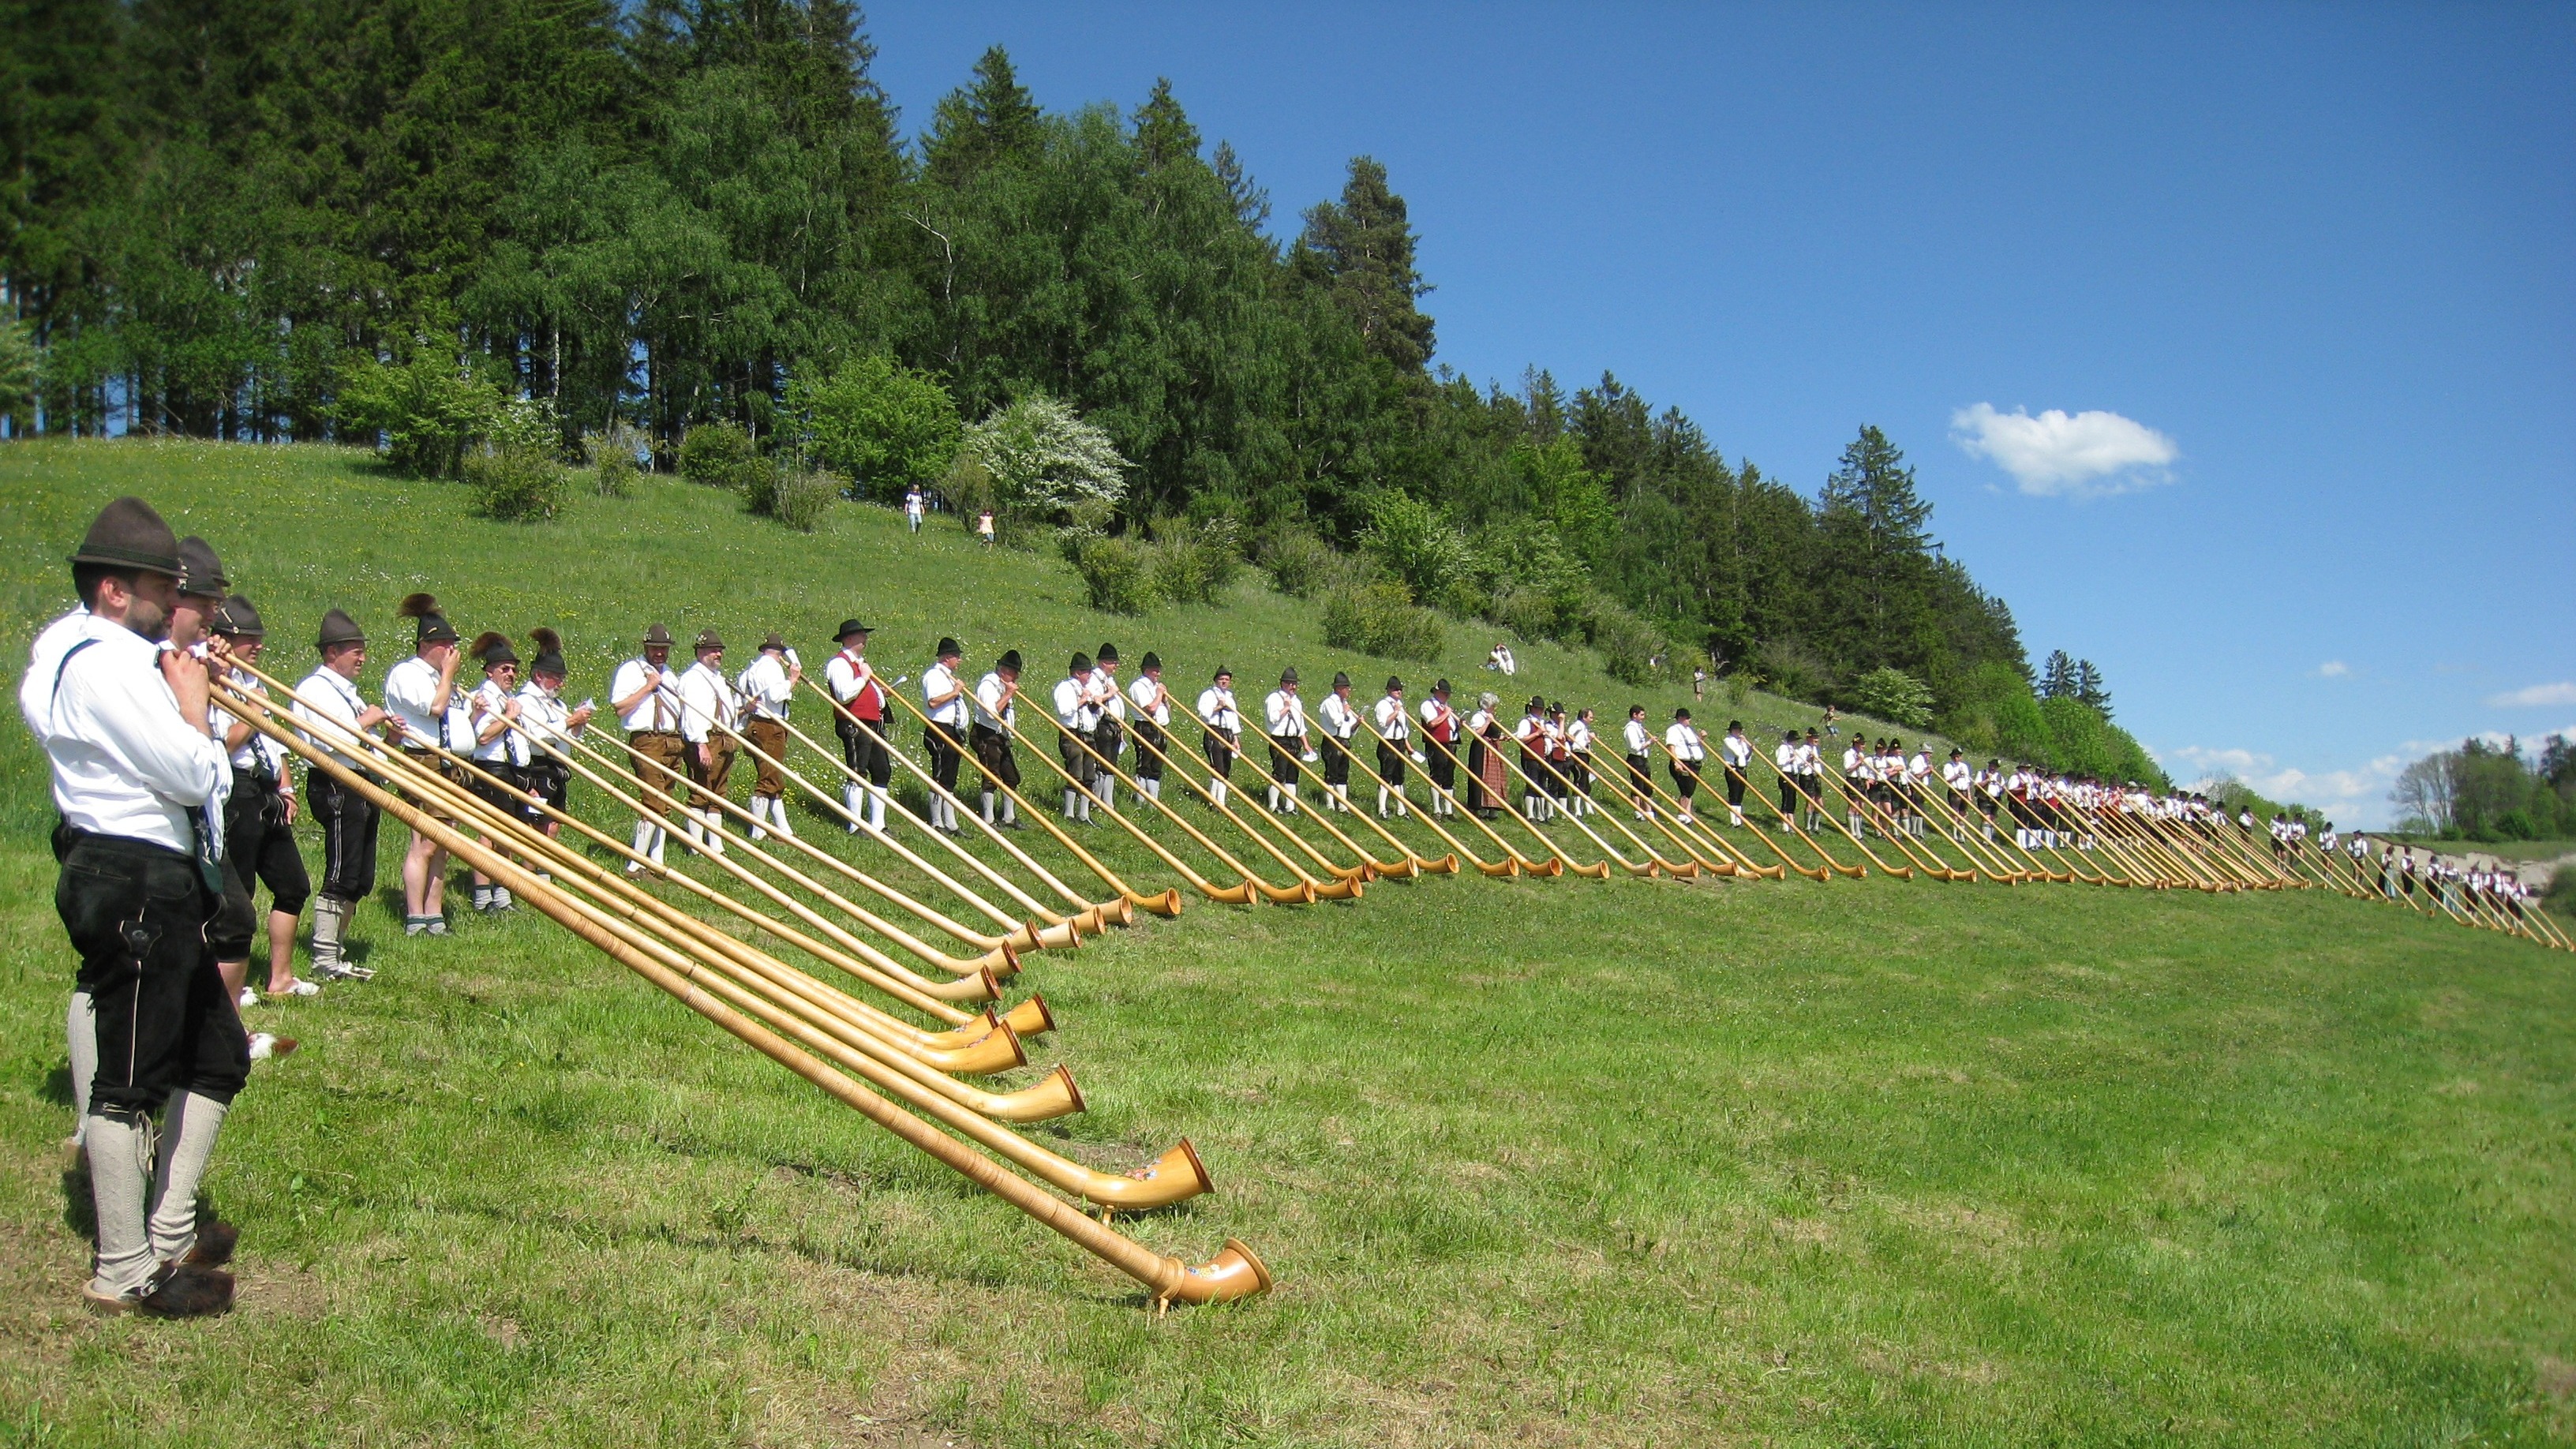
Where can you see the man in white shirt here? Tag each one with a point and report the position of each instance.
(1440, 730)
(1224, 721)
(645, 696)
(1076, 717)
(259, 820)
(997, 715)
(1682, 741)
(708, 711)
(861, 723)
(1735, 751)
(1784, 759)
(421, 695)
(1956, 778)
(544, 721)
(141, 785)
(332, 714)
(490, 710)
(1530, 734)
(1340, 720)
(1394, 725)
(944, 700)
(768, 690)
(1578, 761)
(1637, 742)
(1859, 771)
(914, 507)
(1150, 715)
(1108, 724)
(1283, 718)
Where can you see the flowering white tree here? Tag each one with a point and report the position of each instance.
(1044, 459)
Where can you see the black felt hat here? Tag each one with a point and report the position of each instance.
(850, 627)
(129, 534)
(434, 628)
(1152, 662)
(1009, 663)
(549, 645)
(1394, 684)
(708, 639)
(948, 649)
(200, 572)
(338, 628)
(1288, 675)
(656, 636)
(1341, 679)
(1081, 664)
(493, 648)
(1108, 654)
(236, 619)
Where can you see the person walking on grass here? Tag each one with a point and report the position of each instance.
(141, 784)
(915, 506)
(984, 528)
(259, 824)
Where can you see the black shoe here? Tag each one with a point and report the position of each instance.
(182, 1290)
(214, 1247)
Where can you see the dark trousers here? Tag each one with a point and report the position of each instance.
(946, 754)
(1734, 788)
(1075, 749)
(137, 913)
(1441, 764)
(1220, 754)
(1337, 760)
(1284, 750)
(1151, 742)
(863, 749)
(1108, 738)
(348, 822)
(1788, 794)
(259, 849)
(1641, 776)
(993, 756)
(1685, 779)
(1391, 761)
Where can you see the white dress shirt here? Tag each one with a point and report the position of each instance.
(125, 761)
(765, 688)
(659, 710)
(411, 689)
(1683, 740)
(485, 705)
(848, 677)
(1073, 705)
(258, 751)
(1393, 723)
(708, 704)
(1738, 751)
(327, 707)
(990, 711)
(1217, 707)
(1150, 700)
(541, 714)
(1639, 739)
(1578, 737)
(1339, 719)
(937, 680)
(1284, 715)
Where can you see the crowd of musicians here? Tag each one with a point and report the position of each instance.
(176, 815)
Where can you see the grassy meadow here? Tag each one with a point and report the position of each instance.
(1549, 1162)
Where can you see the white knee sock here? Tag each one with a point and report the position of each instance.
(187, 1143)
(1216, 790)
(778, 818)
(120, 1180)
(644, 835)
(1108, 787)
(759, 817)
(1010, 810)
(1274, 799)
(661, 837)
(877, 806)
(1068, 804)
(80, 1033)
(1082, 803)
(987, 803)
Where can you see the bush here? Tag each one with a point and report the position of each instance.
(879, 423)
(1381, 619)
(1416, 545)
(1044, 462)
(1299, 563)
(2561, 895)
(721, 455)
(517, 482)
(1116, 572)
(616, 458)
(22, 372)
(1195, 566)
(1893, 695)
(796, 494)
(1529, 614)
(1797, 672)
(1632, 650)
(430, 410)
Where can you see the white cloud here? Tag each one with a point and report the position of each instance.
(2086, 454)
(2333, 669)
(2351, 797)
(2537, 696)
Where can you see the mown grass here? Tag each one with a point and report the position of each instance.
(1557, 1162)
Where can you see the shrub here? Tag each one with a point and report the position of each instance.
(1044, 461)
(21, 371)
(1632, 650)
(1116, 572)
(517, 482)
(721, 455)
(2561, 895)
(1796, 671)
(1299, 563)
(1381, 619)
(1416, 545)
(880, 423)
(617, 459)
(1196, 565)
(797, 494)
(1525, 612)
(1895, 696)
(430, 410)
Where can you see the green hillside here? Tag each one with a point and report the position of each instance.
(1631, 1162)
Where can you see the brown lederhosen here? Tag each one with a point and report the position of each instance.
(993, 756)
(710, 783)
(661, 768)
(769, 736)
(438, 766)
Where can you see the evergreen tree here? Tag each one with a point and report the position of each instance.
(1251, 203)
(1362, 246)
(2089, 687)
(987, 122)
(2057, 677)
(1163, 131)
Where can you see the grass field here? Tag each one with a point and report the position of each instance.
(1536, 1161)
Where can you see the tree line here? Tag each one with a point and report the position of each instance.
(2488, 792)
(291, 219)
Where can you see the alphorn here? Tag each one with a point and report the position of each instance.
(1236, 1272)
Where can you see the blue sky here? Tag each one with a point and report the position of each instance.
(2301, 281)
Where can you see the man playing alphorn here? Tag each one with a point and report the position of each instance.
(421, 695)
(333, 714)
(1638, 740)
(997, 713)
(1683, 742)
(1339, 721)
(1283, 718)
(860, 722)
(1394, 724)
(1077, 719)
(490, 710)
(645, 694)
(1224, 720)
(543, 718)
(1440, 730)
(767, 688)
(710, 712)
(1735, 751)
(259, 818)
(945, 704)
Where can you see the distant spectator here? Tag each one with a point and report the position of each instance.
(984, 527)
(1502, 659)
(914, 505)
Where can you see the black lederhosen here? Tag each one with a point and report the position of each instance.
(1109, 737)
(1221, 749)
(1284, 750)
(1788, 792)
(1641, 775)
(259, 849)
(863, 748)
(495, 783)
(1074, 748)
(1337, 759)
(1151, 742)
(1686, 778)
(1734, 788)
(1578, 775)
(946, 754)
(1535, 772)
(1440, 763)
(137, 913)
(1391, 760)
(993, 756)
(548, 779)
(348, 822)
(1814, 785)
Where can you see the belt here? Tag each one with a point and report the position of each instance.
(639, 734)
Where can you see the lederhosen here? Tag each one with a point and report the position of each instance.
(1560, 769)
(1686, 778)
(1789, 791)
(1578, 770)
(1074, 747)
(259, 849)
(1284, 750)
(1734, 786)
(662, 755)
(863, 746)
(1221, 747)
(1536, 772)
(1109, 737)
(1337, 757)
(707, 781)
(947, 752)
(769, 736)
(993, 756)
(1438, 759)
(1391, 759)
(1641, 775)
(1151, 743)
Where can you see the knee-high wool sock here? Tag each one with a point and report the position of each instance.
(120, 1179)
(187, 1144)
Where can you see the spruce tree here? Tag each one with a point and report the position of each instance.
(990, 120)
(1251, 202)
(1364, 245)
(1163, 131)
(2057, 677)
